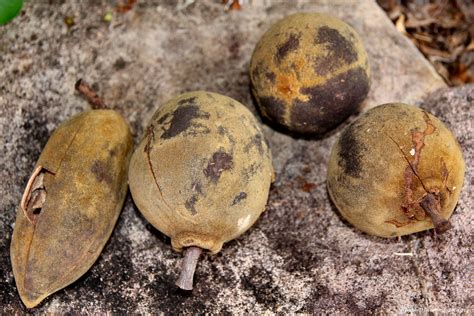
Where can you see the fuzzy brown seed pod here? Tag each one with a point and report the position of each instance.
(71, 203)
(309, 72)
(397, 170)
(202, 172)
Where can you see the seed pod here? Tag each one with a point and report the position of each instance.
(201, 174)
(71, 203)
(309, 72)
(397, 170)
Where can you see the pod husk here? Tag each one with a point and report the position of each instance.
(71, 203)
(395, 171)
(309, 72)
(202, 172)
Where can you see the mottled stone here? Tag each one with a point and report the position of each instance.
(300, 256)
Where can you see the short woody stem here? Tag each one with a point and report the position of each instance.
(430, 204)
(90, 95)
(191, 256)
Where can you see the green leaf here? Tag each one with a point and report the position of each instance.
(9, 9)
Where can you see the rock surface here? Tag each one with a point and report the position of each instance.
(300, 256)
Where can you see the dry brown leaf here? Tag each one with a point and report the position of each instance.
(423, 37)
(443, 30)
(471, 45)
(433, 51)
(400, 24)
(442, 70)
(414, 23)
(127, 6)
(467, 8)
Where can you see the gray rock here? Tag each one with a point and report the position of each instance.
(300, 256)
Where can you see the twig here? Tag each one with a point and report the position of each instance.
(90, 95)
(191, 256)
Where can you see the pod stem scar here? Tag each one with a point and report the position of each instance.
(190, 260)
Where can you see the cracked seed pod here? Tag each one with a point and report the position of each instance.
(309, 72)
(71, 203)
(397, 170)
(202, 172)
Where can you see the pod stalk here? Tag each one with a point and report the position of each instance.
(190, 260)
(430, 203)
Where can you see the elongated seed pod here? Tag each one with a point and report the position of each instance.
(71, 203)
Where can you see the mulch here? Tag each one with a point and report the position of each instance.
(443, 30)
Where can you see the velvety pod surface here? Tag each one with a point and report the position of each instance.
(202, 172)
(80, 183)
(309, 72)
(385, 163)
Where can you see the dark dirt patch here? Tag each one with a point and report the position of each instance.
(270, 75)
(189, 204)
(273, 108)
(292, 43)
(220, 162)
(9, 297)
(183, 117)
(239, 197)
(224, 132)
(259, 282)
(322, 298)
(256, 141)
(350, 154)
(331, 103)
(101, 171)
(251, 171)
(106, 279)
(297, 255)
(191, 100)
(221, 130)
(120, 64)
(340, 51)
(163, 118)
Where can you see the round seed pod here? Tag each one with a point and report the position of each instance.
(202, 172)
(309, 72)
(397, 170)
(71, 203)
